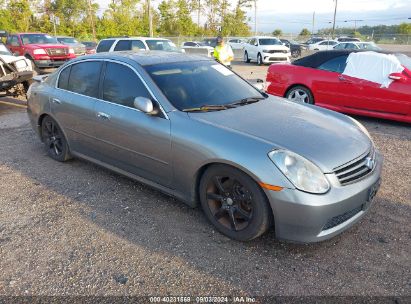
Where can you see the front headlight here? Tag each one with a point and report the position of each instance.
(302, 173)
(265, 51)
(71, 51)
(39, 52)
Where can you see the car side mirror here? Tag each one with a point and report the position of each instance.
(144, 104)
(397, 77)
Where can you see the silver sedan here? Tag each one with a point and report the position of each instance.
(193, 129)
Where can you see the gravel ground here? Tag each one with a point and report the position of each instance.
(78, 229)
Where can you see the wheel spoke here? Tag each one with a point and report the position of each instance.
(246, 216)
(220, 213)
(232, 220)
(218, 184)
(214, 196)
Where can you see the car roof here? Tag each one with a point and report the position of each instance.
(317, 59)
(145, 58)
(134, 38)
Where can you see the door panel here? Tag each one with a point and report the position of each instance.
(131, 140)
(134, 141)
(73, 104)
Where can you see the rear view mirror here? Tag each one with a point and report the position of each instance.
(144, 104)
(397, 77)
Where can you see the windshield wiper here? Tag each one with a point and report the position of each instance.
(246, 101)
(206, 108)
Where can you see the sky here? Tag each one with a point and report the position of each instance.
(292, 15)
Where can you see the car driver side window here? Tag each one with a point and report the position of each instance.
(121, 85)
(336, 64)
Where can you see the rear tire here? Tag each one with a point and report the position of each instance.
(300, 94)
(234, 203)
(54, 139)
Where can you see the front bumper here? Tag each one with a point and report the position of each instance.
(276, 57)
(51, 63)
(304, 217)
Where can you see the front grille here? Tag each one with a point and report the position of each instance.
(278, 59)
(277, 51)
(339, 219)
(57, 52)
(356, 169)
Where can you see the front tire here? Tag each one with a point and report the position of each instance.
(259, 59)
(246, 59)
(54, 139)
(234, 203)
(300, 94)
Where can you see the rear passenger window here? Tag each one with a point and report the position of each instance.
(121, 85)
(84, 78)
(64, 78)
(123, 45)
(137, 45)
(336, 64)
(104, 46)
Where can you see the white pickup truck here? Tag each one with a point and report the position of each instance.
(266, 50)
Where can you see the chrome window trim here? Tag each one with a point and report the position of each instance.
(113, 103)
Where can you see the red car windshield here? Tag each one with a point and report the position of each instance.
(38, 39)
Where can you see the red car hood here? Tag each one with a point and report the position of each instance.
(47, 46)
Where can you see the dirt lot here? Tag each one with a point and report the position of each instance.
(77, 229)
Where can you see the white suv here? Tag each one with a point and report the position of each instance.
(266, 50)
(136, 44)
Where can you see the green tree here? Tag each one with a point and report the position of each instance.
(305, 32)
(404, 28)
(20, 14)
(277, 33)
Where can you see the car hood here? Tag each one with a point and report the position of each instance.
(11, 58)
(47, 46)
(274, 47)
(326, 138)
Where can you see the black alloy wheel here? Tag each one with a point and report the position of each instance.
(54, 140)
(234, 203)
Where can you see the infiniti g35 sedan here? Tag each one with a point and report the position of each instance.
(193, 129)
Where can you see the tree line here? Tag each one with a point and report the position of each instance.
(86, 20)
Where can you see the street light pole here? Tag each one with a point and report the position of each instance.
(335, 14)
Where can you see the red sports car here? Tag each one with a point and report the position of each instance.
(362, 83)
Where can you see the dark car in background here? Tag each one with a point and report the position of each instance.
(91, 46)
(295, 47)
(79, 48)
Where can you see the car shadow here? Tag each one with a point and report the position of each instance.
(149, 219)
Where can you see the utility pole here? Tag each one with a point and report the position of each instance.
(312, 31)
(91, 20)
(150, 19)
(355, 23)
(255, 17)
(335, 14)
(198, 12)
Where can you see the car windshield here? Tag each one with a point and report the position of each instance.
(270, 41)
(195, 84)
(405, 60)
(368, 46)
(4, 50)
(161, 45)
(67, 40)
(38, 39)
(89, 44)
(209, 42)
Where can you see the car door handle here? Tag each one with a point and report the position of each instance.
(342, 78)
(103, 115)
(56, 101)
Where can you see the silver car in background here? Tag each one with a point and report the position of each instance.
(194, 129)
(78, 47)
